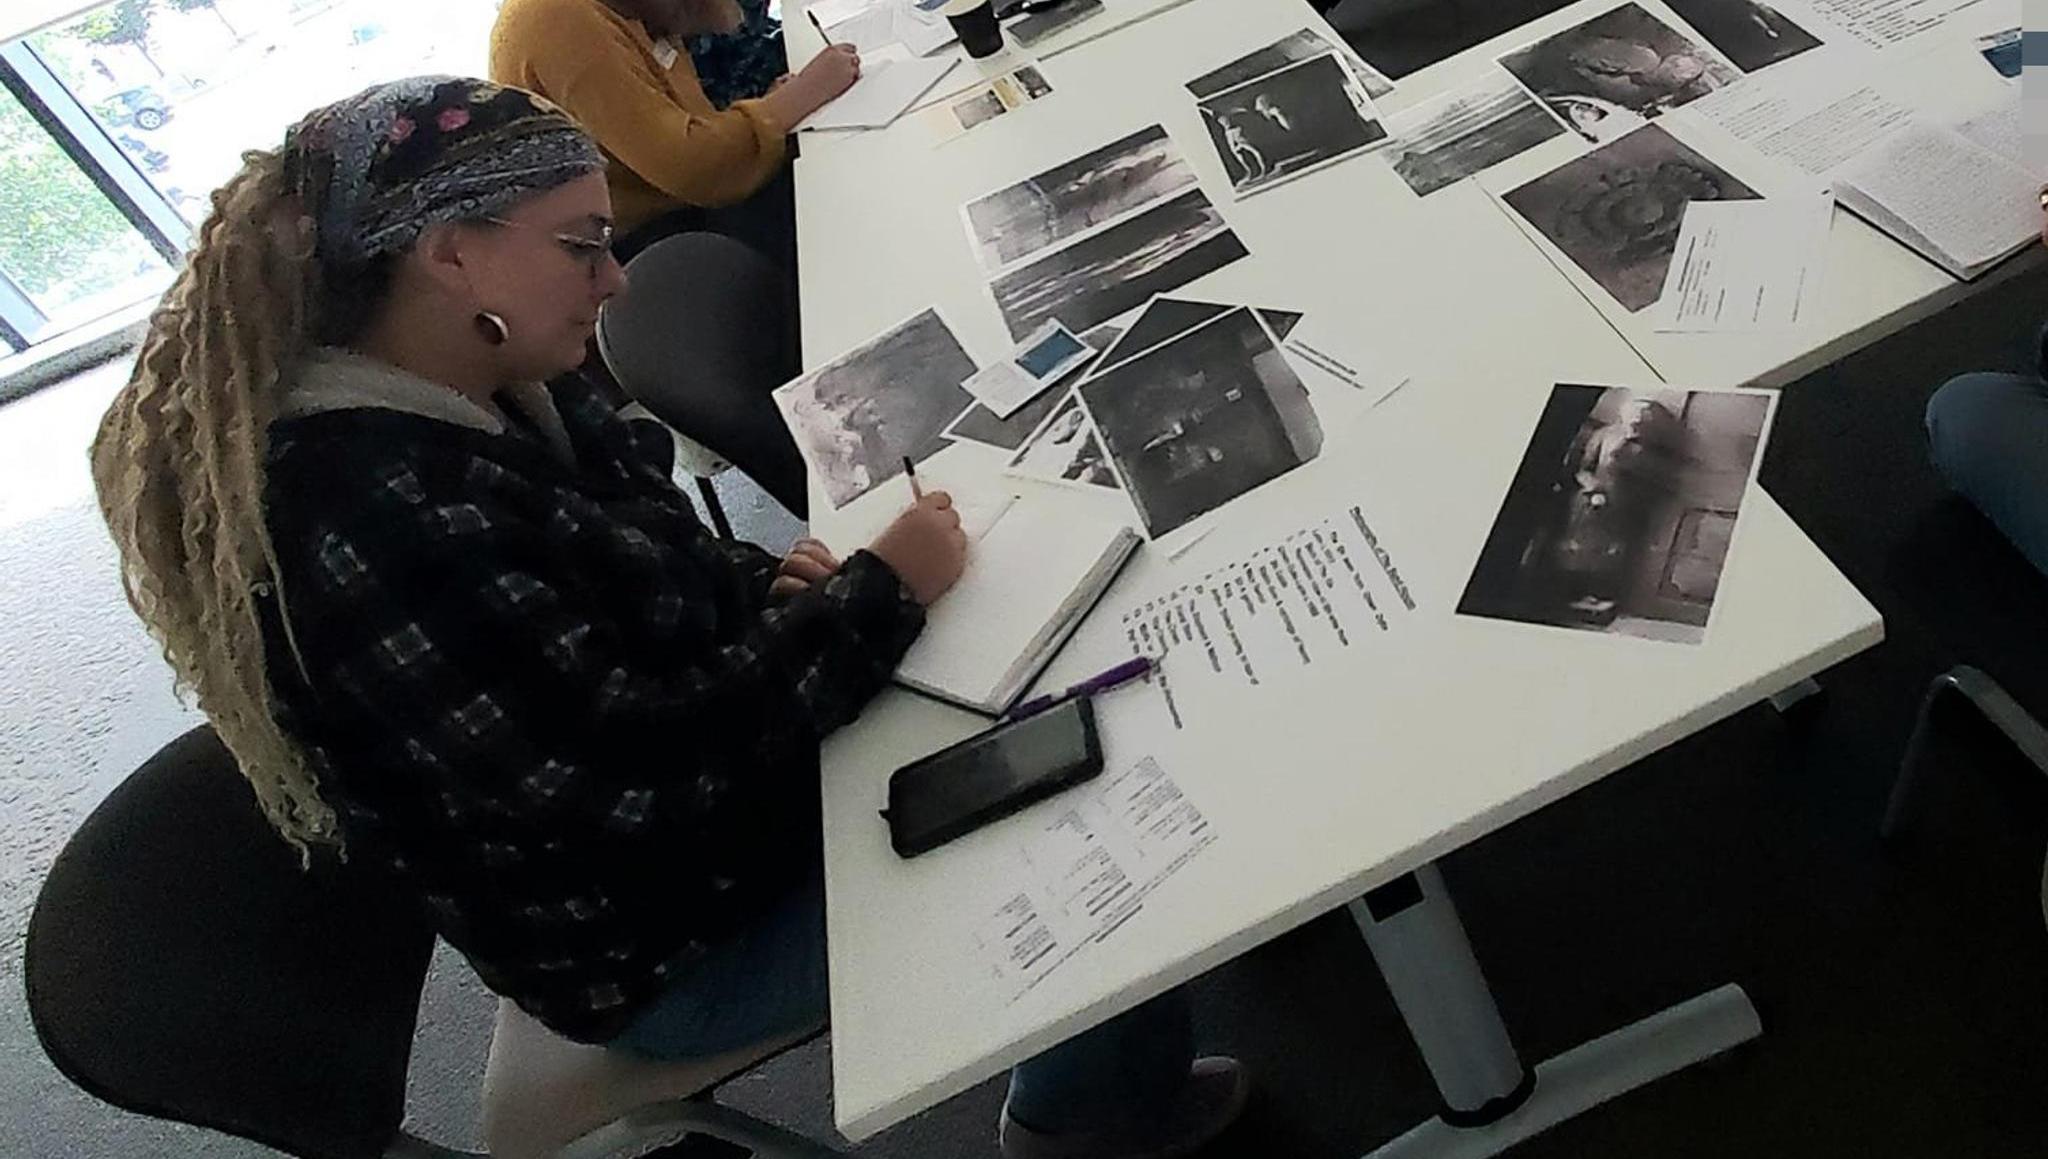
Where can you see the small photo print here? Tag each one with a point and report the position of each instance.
(1203, 419)
(1115, 270)
(1056, 351)
(1615, 212)
(1032, 82)
(2001, 51)
(983, 106)
(1751, 34)
(1304, 45)
(979, 424)
(1065, 449)
(1620, 518)
(1437, 145)
(1070, 199)
(857, 417)
(1288, 123)
(1608, 76)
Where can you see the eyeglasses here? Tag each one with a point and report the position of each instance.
(591, 251)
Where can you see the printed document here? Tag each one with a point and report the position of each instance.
(1088, 870)
(1746, 265)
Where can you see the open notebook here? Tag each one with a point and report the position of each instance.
(1962, 197)
(1032, 575)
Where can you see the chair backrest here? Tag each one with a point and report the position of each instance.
(180, 964)
(702, 336)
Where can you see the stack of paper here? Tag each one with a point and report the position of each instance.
(1746, 265)
(872, 25)
(1031, 578)
(890, 82)
(1962, 197)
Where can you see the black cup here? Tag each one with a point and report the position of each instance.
(976, 26)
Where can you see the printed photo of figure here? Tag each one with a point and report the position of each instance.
(1608, 76)
(1203, 419)
(1615, 212)
(1290, 122)
(856, 418)
(1621, 515)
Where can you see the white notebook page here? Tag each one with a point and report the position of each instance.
(1966, 201)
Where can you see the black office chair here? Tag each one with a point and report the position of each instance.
(702, 336)
(181, 965)
(1999, 709)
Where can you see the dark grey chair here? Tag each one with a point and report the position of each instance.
(1999, 709)
(181, 965)
(703, 335)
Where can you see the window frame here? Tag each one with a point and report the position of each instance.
(92, 148)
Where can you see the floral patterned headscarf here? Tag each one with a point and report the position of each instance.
(378, 168)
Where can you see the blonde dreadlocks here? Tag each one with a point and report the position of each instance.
(179, 468)
(298, 251)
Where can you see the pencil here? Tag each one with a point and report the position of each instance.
(910, 472)
(819, 27)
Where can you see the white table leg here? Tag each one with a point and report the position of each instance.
(1490, 1101)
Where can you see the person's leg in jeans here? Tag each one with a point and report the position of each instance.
(769, 983)
(1988, 434)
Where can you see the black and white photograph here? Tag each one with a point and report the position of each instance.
(1065, 449)
(1068, 200)
(1304, 45)
(982, 106)
(1115, 270)
(1615, 212)
(1439, 144)
(856, 418)
(1750, 34)
(1031, 82)
(1289, 122)
(1162, 318)
(1608, 76)
(978, 424)
(1203, 419)
(1280, 323)
(1167, 317)
(1622, 512)
(1403, 39)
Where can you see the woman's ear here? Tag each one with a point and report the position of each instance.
(445, 255)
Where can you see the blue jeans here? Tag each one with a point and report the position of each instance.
(770, 983)
(1988, 434)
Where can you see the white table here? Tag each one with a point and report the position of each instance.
(1463, 727)
(1871, 286)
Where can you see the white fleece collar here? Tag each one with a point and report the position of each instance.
(332, 379)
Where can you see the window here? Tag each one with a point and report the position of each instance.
(185, 86)
(143, 107)
(67, 255)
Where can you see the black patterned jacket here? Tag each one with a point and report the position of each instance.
(537, 687)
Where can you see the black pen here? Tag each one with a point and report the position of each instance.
(819, 27)
(910, 471)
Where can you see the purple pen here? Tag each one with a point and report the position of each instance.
(1123, 673)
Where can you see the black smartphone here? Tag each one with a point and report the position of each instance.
(991, 775)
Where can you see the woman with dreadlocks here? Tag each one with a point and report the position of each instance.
(458, 621)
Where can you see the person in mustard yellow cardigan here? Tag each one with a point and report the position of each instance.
(676, 161)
